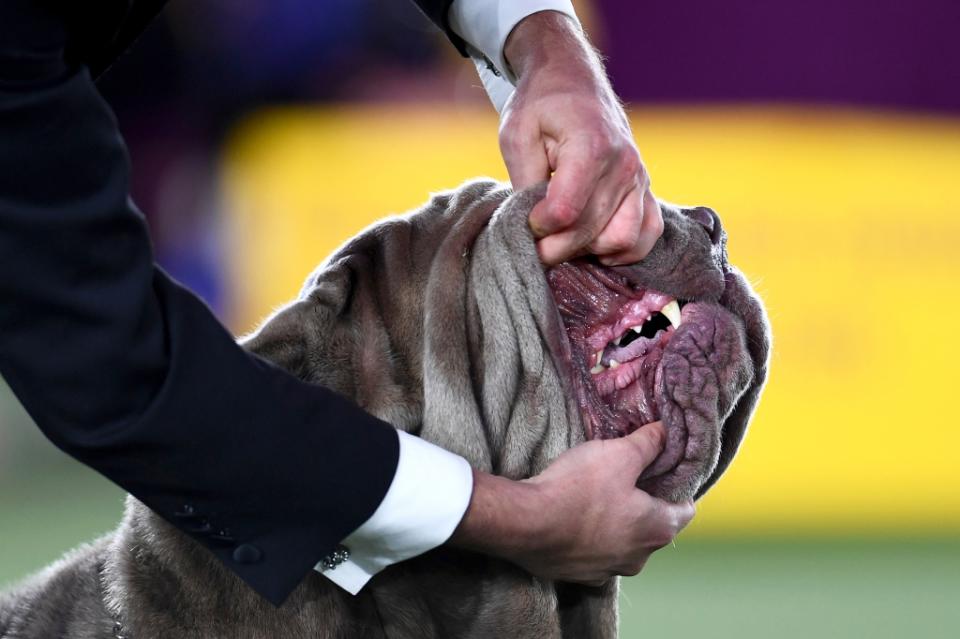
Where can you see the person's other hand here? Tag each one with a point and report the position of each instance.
(564, 120)
(582, 519)
(603, 525)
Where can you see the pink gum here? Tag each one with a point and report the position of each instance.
(631, 314)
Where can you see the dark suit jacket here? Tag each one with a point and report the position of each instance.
(126, 370)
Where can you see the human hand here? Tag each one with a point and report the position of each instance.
(564, 119)
(583, 519)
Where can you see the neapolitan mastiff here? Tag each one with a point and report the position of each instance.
(444, 323)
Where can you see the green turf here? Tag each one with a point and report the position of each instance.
(697, 588)
(803, 589)
(47, 512)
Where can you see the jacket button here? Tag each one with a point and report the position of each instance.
(186, 512)
(223, 536)
(247, 554)
(199, 527)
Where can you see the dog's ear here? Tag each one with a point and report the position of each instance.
(283, 338)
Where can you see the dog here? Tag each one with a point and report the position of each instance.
(444, 323)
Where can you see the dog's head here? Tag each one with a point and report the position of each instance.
(444, 323)
(678, 337)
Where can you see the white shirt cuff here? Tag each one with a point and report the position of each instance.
(485, 25)
(427, 499)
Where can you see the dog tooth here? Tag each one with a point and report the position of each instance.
(613, 364)
(637, 329)
(616, 342)
(596, 370)
(596, 358)
(672, 313)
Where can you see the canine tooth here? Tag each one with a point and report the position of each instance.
(672, 313)
(616, 342)
(596, 358)
(636, 329)
(613, 364)
(596, 370)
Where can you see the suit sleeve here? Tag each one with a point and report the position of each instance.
(129, 372)
(99, 37)
(438, 12)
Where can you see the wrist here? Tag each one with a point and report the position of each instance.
(547, 38)
(505, 518)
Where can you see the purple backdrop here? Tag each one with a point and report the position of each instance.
(893, 53)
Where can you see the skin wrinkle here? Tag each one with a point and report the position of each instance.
(711, 358)
(478, 348)
(443, 323)
(689, 263)
(681, 383)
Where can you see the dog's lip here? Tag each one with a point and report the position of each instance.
(634, 313)
(676, 448)
(677, 441)
(643, 399)
(609, 381)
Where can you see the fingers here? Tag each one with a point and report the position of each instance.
(524, 153)
(646, 443)
(664, 520)
(595, 583)
(622, 232)
(620, 220)
(684, 513)
(570, 189)
(634, 567)
(672, 519)
(652, 227)
(588, 195)
(630, 240)
(599, 226)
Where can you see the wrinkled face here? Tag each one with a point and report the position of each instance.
(666, 339)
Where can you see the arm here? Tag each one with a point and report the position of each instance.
(564, 122)
(560, 120)
(129, 372)
(582, 519)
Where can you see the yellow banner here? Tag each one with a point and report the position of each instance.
(847, 223)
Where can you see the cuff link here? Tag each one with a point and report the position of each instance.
(491, 67)
(339, 555)
(222, 536)
(186, 511)
(247, 554)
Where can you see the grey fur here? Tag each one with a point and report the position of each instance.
(440, 322)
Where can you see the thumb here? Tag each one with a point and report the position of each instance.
(646, 443)
(528, 165)
(524, 154)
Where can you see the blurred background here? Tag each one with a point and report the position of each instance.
(827, 135)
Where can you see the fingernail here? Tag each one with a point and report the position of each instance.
(658, 431)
